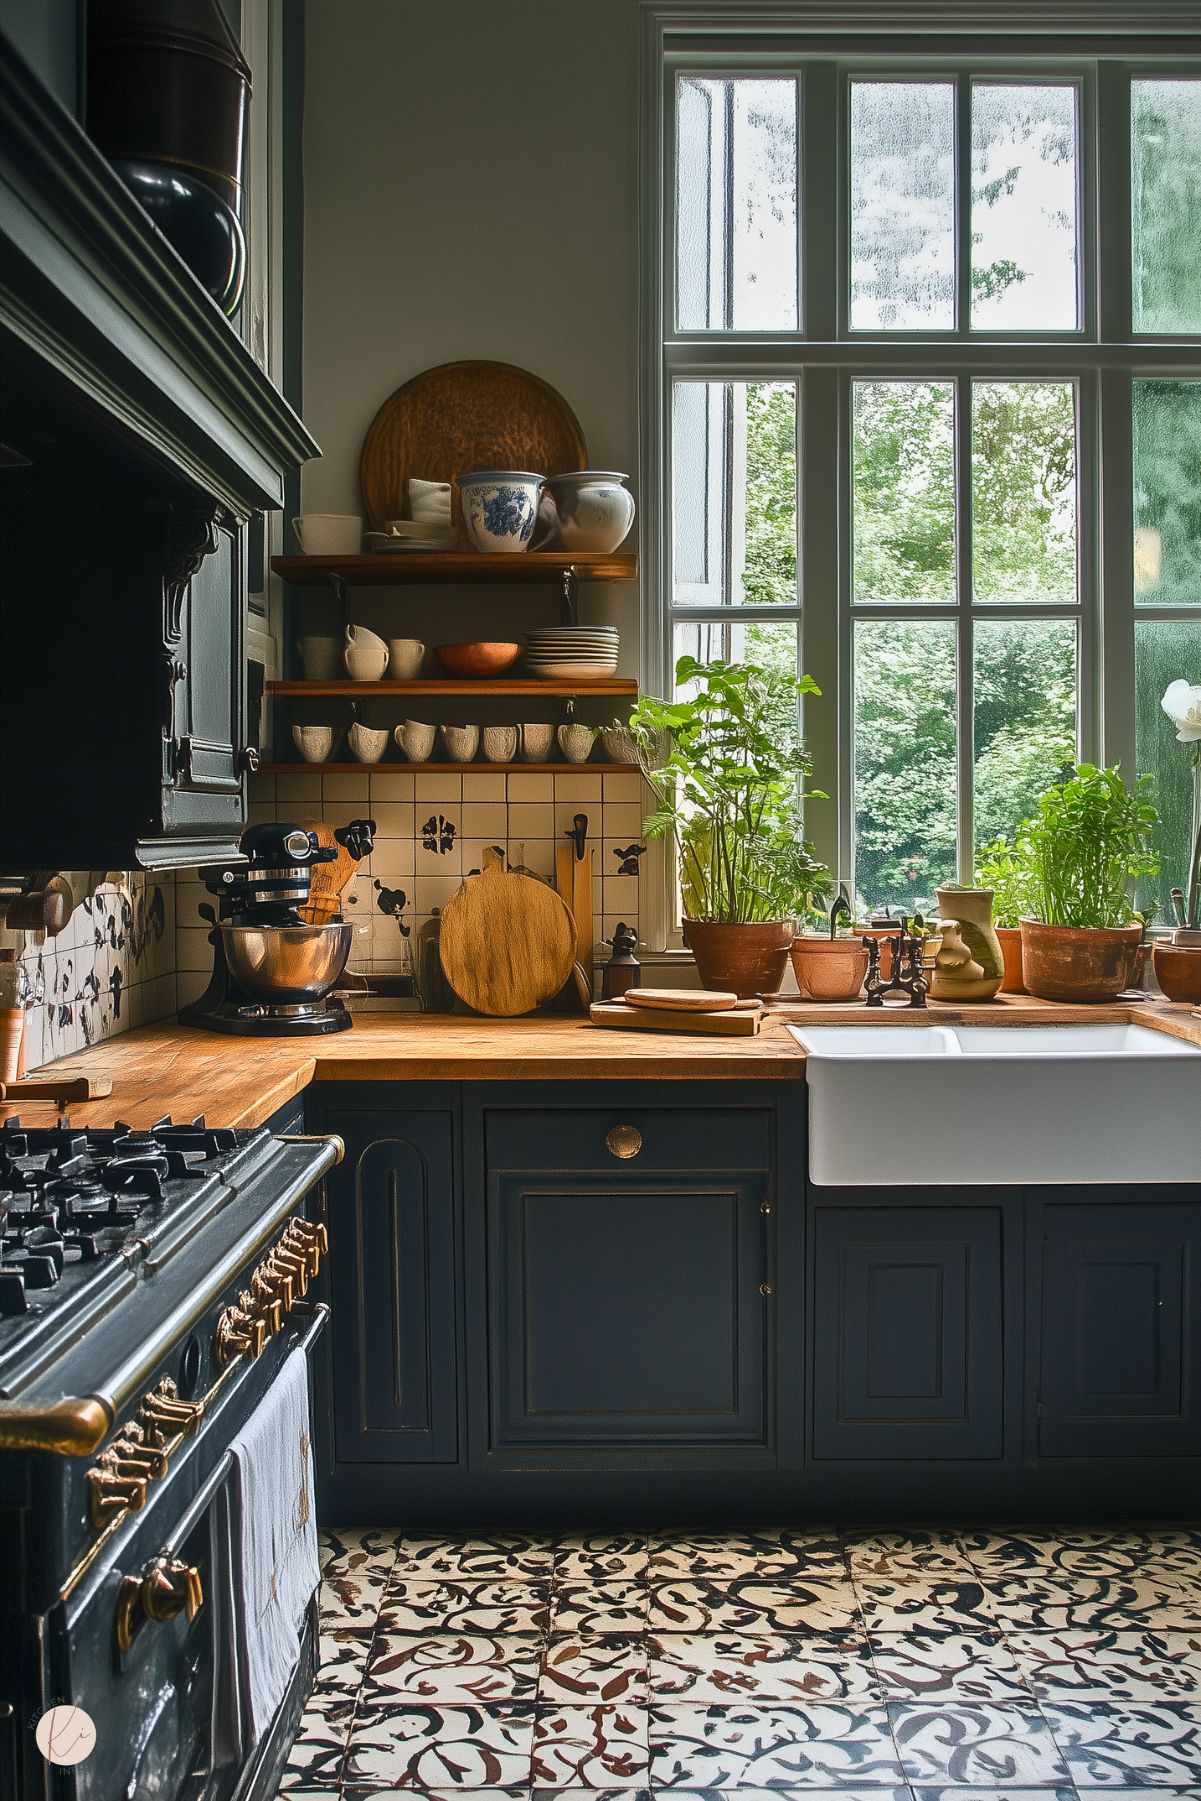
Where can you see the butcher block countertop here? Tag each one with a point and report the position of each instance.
(242, 1081)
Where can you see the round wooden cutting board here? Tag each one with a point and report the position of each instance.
(459, 417)
(507, 941)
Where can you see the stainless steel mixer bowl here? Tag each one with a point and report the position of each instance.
(287, 965)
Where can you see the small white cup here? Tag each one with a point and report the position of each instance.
(536, 741)
(329, 534)
(500, 743)
(415, 740)
(429, 500)
(461, 741)
(314, 742)
(575, 741)
(405, 657)
(365, 654)
(367, 743)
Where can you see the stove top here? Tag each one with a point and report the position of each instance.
(77, 1203)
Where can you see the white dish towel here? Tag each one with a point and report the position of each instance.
(277, 1538)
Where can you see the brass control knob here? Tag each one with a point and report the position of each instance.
(238, 1335)
(139, 1454)
(281, 1282)
(163, 1410)
(294, 1265)
(170, 1588)
(304, 1245)
(112, 1491)
(265, 1302)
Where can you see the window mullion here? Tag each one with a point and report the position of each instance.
(822, 201)
(963, 204)
(1117, 573)
(964, 649)
(824, 518)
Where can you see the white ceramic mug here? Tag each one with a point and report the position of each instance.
(415, 739)
(329, 534)
(461, 741)
(314, 742)
(365, 655)
(500, 743)
(367, 743)
(429, 500)
(575, 741)
(321, 659)
(536, 741)
(405, 657)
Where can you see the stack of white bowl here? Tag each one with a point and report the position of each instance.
(572, 652)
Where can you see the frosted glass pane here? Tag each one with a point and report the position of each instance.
(1167, 492)
(1165, 651)
(1024, 212)
(736, 205)
(903, 538)
(905, 771)
(1025, 717)
(734, 517)
(1024, 490)
(902, 205)
(1165, 203)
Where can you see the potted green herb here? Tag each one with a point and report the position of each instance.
(1089, 845)
(728, 767)
(1005, 868)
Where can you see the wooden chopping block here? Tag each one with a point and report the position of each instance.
(507, 941)
(63, 1089)
(733, 1022)
(681, 1000)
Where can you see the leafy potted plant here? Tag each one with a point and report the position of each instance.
(728, 767)
(1089, 845)
(1005, 868)
(828, 967)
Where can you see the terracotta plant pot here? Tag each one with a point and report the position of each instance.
(1178, 971)
(1010, 940)
(740, 959)
(1078, 963)
(829, 969)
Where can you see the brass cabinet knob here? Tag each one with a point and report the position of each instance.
(624, 1141)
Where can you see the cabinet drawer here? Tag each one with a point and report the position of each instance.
(639, 1140)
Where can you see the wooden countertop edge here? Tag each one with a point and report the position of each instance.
(242, 1081)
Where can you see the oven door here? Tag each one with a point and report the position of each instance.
(150, 1651)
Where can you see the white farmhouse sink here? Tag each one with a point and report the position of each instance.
(970, 1105)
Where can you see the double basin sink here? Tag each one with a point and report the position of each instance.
(964, 1106)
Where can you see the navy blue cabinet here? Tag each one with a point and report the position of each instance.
(1120, 1318)
(392, 1287)
(908, 1355)
(629, 1285)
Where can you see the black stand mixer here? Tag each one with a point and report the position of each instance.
(273, 971)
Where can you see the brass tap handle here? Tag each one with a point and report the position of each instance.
(170, 1588)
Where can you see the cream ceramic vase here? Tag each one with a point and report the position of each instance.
(970, 965)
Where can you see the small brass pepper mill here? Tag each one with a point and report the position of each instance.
(908, 977)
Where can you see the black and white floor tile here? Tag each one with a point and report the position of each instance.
(1039, 1665)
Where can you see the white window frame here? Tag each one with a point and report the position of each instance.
(822, 46)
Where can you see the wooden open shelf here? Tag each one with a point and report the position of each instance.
(391, 567)
(437, 690)
(480, 768)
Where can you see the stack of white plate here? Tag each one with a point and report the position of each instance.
(560, 653)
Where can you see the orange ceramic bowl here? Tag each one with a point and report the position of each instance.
(477, 661)
(1178, 971)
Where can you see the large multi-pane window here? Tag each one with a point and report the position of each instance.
(927, 395)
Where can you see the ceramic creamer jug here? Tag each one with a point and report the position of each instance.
(365, 655)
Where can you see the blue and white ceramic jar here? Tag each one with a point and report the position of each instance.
(500, 507)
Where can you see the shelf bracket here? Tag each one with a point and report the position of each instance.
(571, 595)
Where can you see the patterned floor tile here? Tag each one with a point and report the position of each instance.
(594, 1608)
(600, 1557)
(1107, 1745)
(1045, 1604)
(343, 1658)
(351, 1602)
(594, 1671)
(1084, 1551)
(319, 1748)
(721, 1556)
(989, 1793)
(975, 1746)
(723, 1667)
(1110, 1666)
(370, 1549)
(497, 1608)
(923, 1604)
(908, 1555)
(947, 1666)
(754, 1606)
(448, 1668)
(885, 1792)
(771, 1747)
(591, 1747)
(495, 1557)
(456, 1748)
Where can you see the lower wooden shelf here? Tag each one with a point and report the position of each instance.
(563, 768)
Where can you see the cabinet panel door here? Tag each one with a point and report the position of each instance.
(392, 1289)
(1121, 1330)
(907, 1332)
(627, 1313)
(203, 781)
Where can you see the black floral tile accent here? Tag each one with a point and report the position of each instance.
(605, 1671)
(498, 1608)
(351, 1552)
(594, 1609)
(723, 1556)
(464, 1749)
(450, 1668)
(1103, 1665)
(771, 1747)
(924, 1604)
(723, 1668)
(947, 1666)
(1047, 1604)
(505, 1557)
(971, 1746)
(1084, 1551)
(754, 1606)
(591, 1747)
(1111, 1745)
(319, 1749)
(599, 1557)
(908, 1555)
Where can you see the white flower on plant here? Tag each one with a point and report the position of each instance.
(1182, 704)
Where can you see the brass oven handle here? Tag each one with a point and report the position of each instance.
(624, 1141)
(167, 1589)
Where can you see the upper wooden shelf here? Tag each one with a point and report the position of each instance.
(434, 690)
(391, 567)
